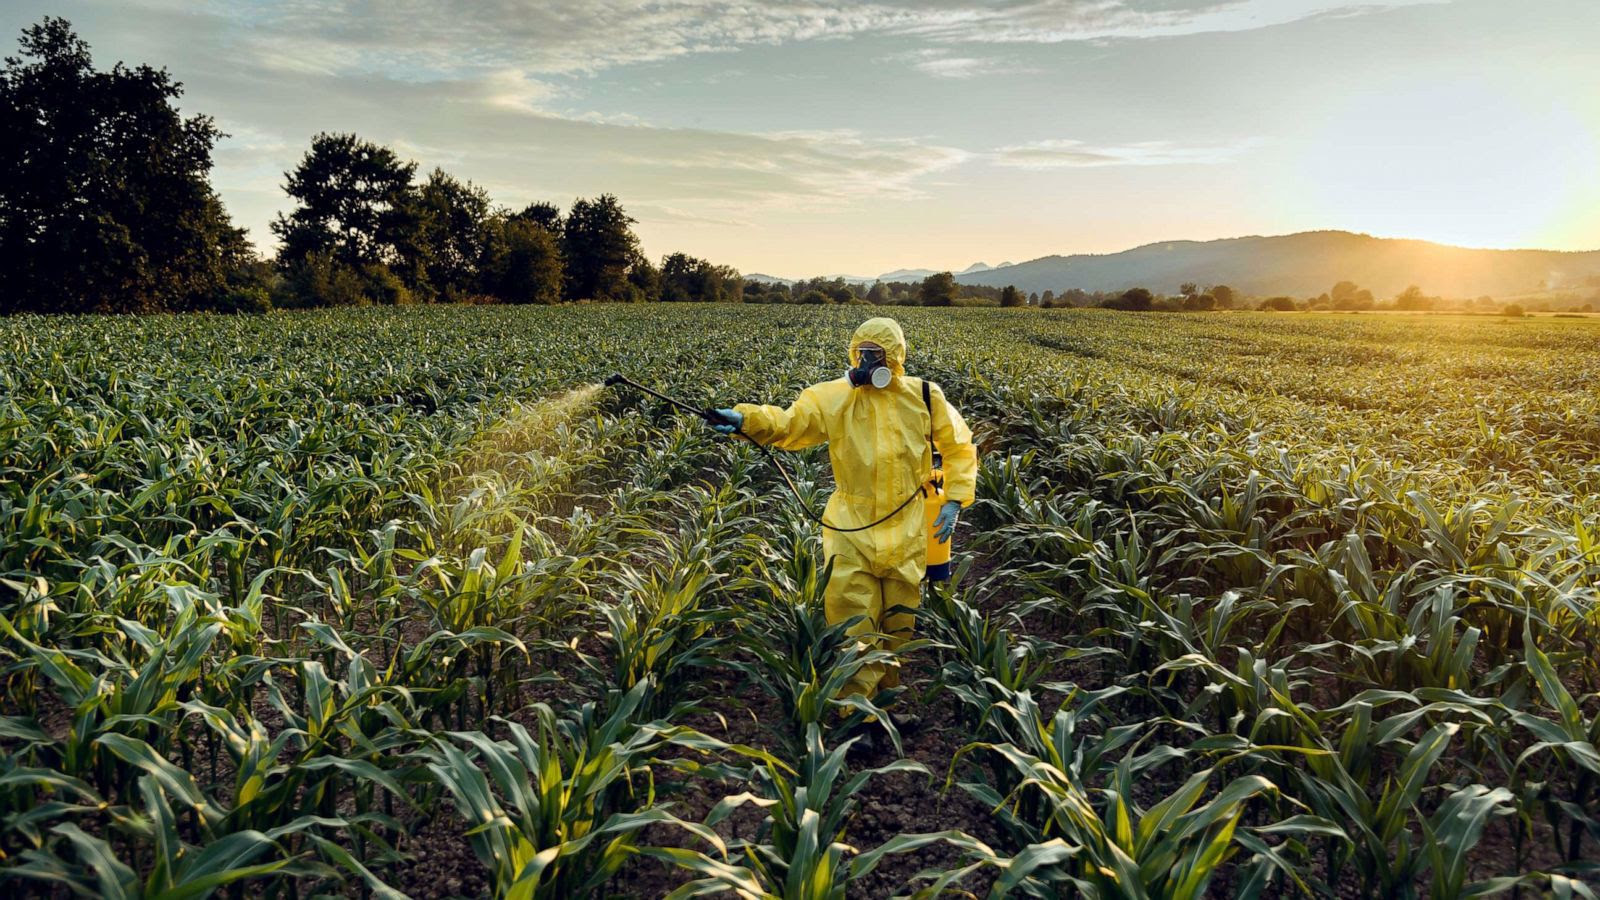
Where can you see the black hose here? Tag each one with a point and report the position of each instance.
(801, 500)
(712, 418)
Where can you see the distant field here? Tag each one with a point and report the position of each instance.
(390, 600)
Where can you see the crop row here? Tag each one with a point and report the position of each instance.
(329, 601)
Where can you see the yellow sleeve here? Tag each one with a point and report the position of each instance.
(954, 440)
(796, 428)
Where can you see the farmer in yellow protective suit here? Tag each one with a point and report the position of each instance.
(876, 425)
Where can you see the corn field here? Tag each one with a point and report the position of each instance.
(398, 603)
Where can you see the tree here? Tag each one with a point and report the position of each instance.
(104, 203)
(879, 294)
(445, 248)
(644, 280)
(1279, 304)
(677, 277)
(1346, 295)
(939, 289)
(1137, 299)
(1225, 296)
(1189, 289)
(728, 282)
(1513, 310)
(598, 245)
(814, 297)
(545, 215)
(1047, 299)
(522, 262)
(1010, 296)
(1412, 299)
(684, 277)
(1199, 302)
(354, 203)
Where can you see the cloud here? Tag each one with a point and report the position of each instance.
(1072, 154)
(938, 62)
(1062, 21)
(574, 37)
(491, 130)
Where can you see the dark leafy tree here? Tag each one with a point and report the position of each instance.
(837, 289)
(879, 294)
(1199, 302)
(687, 278)
(104, 202)
(767, 292)
(1010, 296)
(1225, 296)
(598, 245)
(545, 215)
(354, 204)
(677, 277)
(644, 280)
(522, 262)
(1137, 299)
(938, 289)
(449, 234)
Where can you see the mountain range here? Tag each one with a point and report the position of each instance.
(1305, 265)
(1298, 265)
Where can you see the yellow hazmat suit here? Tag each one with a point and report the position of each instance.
(878, 444)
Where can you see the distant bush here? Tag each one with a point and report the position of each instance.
(814, 297)
(253, 299)
(384, 287)
(1513, 310)
(315, 279)
(1199, 302)
(1278, 304)
(1137, 299)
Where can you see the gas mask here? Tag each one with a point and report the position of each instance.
(870, 369)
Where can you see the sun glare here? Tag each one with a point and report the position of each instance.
(1467, 163)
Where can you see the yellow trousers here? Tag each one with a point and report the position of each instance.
(857, 589)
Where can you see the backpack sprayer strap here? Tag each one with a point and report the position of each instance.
(927, 401)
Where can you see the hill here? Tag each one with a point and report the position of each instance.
(1304, 265)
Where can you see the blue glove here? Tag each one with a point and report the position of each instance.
(944, 526)
(732, 420)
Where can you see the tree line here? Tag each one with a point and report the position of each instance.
(106, 206)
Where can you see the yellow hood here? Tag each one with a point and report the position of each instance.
(886, 333)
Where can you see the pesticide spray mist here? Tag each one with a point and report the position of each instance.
(535, 427)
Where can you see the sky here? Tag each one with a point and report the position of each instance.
(796, 139)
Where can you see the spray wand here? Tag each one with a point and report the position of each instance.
(711, 417)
